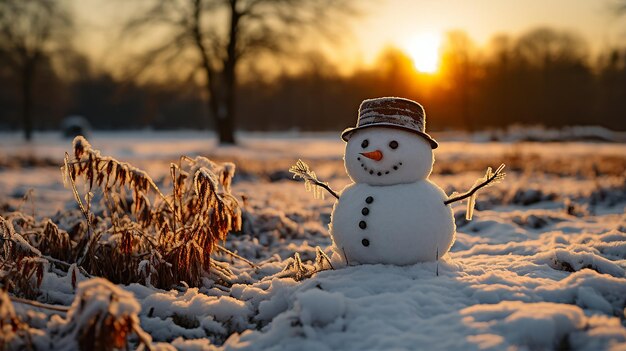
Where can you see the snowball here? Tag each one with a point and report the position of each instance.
(404, 224)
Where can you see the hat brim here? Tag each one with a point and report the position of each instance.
(345, 135)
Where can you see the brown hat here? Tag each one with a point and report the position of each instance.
(392, 112)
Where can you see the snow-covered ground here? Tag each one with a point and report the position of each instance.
(541, 266)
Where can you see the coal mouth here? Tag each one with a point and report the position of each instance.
(379, 173)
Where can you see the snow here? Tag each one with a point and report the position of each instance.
(97, 294)
(320, 308)
(388, 307)
(98, 303)
(541, 265)
(195, 314)
(536, 325)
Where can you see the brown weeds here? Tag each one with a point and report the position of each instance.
(14, 333)
(133, 232)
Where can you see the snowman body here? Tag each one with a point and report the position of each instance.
(395, 224)
(392, 213)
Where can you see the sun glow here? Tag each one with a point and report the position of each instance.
(424, 52)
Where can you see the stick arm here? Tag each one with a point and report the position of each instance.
(302, 170)
(490, 179)
(326, 187)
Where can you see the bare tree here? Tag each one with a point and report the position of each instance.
(216, 35)
(32, 32)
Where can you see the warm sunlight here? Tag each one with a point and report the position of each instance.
(424, 51)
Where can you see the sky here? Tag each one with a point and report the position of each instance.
(399, 22)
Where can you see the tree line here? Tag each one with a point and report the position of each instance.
(544, 76)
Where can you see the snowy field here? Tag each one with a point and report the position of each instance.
(541, 265)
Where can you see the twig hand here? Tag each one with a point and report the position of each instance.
(302, 170)
(489, 179)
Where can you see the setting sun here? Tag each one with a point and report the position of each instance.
(424, 51)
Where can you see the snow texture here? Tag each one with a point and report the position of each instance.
(541, 266)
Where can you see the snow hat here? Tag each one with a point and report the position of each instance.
(392, 112)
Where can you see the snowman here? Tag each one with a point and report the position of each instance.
(392, 213)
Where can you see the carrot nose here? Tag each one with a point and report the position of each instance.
(375, 155)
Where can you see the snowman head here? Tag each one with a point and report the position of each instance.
(386, 156)
(389, 145)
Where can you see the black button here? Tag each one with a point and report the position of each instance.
(379, 174)
(365, 242)
(362, 225)
(365, 211)
(369, 199)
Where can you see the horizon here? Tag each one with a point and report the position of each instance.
(390, 24)
(485, 64)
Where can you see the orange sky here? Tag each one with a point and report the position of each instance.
(399, 22)
(396, 21)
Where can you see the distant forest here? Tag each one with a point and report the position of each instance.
(544, 76)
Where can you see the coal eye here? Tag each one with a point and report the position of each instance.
(393, 144)
(365, 143)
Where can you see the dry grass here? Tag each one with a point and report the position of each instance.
(132, 231)
(101, 318)
(14, 333)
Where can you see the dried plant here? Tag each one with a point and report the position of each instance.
(27, 275)
(14, 333)
(101, 318)
(22, 267)
(298, 270)
(171, 237)
(55, 242)
(133, 232)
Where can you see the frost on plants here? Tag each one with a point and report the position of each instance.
(14, 333)
(21, 268)
(133, 232)
(174, 233)
(102, 317)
